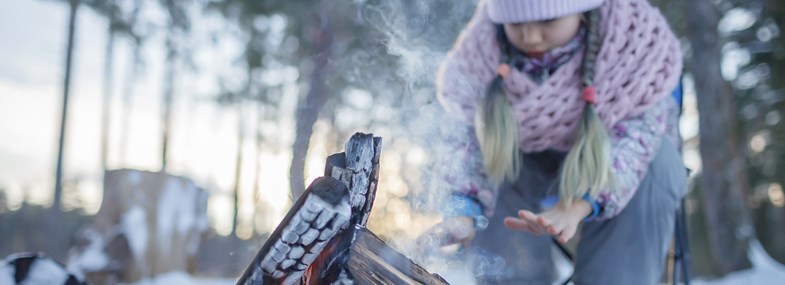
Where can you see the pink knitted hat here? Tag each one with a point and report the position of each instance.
(518, 11)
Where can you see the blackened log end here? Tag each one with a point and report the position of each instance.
(329, 189)
(335, 160)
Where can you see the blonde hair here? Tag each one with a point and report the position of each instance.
(587, 167)
(497, 133)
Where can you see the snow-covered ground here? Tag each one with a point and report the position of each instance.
(765, 271)
(182, 278)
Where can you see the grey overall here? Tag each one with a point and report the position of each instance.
(627, 249)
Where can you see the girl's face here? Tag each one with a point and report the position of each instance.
(535, 38)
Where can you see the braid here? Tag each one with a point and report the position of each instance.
(587, 168)
(504, 44)
(497, 130)
(592, 48)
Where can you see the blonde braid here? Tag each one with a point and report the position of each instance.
(587, 168)
(497, 130)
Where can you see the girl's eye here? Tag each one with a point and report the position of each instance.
(548, 21)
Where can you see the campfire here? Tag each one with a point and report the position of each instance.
(324, 240)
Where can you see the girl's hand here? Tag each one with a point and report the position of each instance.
(448, 232)
(559, 221)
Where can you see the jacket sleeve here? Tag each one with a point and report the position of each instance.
(462, 172)
(461, 82)
(634, 143)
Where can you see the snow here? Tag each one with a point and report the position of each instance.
(45, 271)
(178, 210)
(134, 224)
(92, 258)
(182, 278)
(457, 273)
(168, 210)
(6, 274)
(178, 219)
(765, 271)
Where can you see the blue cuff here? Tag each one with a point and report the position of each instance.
(462, 205)
(595, 208)
(551, 201)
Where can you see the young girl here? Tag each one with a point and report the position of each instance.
(570, 122)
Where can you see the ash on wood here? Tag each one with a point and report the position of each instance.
(357, 256)
(358, 168)
(311, 223)
(323, 239)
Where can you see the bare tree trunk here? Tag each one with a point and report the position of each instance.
(107, 103)
(776, 215)
(171, 57)
(57, 203)
(308, 108)
(723, 179)
(257, 175)
(240, 137)
(238, 165)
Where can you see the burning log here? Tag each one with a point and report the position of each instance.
(323, 239)
(357, 256)
(358, 168)
(313, 221)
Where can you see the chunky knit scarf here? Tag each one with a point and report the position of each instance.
(639, 63)
(541, 68)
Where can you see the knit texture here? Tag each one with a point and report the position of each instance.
(639, 63)
(517, 11)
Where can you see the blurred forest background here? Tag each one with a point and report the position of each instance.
(241, 101)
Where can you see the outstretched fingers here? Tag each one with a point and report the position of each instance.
(526, 221)
(521, 225)
(567, 234)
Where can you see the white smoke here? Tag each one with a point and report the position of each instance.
(418, 35)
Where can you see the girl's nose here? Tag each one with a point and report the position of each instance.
(531, 36)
